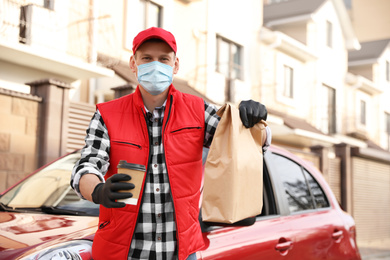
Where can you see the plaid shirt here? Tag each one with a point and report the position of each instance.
(155, 233)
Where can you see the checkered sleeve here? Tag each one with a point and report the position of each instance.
(268, 140)
(211, 123)
(95, 154)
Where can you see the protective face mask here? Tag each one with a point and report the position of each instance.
(155, 77)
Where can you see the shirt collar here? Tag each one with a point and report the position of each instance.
(157, 113)
(163, 106)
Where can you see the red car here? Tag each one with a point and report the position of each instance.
(42, 218)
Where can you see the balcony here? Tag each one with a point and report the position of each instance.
(364, 84)
(286, 44)
(43, 39)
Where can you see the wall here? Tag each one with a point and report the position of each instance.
(332, 63)
(242, 30)
(370, 19)
(298, 31)
(16, 74)
(384, 102)
(192, 42)
(18, 136)
(364, 71)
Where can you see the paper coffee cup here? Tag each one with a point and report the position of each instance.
(137, 174)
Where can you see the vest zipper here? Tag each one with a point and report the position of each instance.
(147, 171)
(102, 225)
(173, 202)
(119, 142)
(169, 113)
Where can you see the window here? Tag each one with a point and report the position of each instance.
(49, 4)
(229, 58)
(387, 122)
(288, 81)
(388, 70)
(301, 189)
(348, 4)
(363, 112)
(328, 110)
(329, 34)
(152, 14)
(140, 15)
(228, 63)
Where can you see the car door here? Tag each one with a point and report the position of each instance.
(254, 242)
(317, 230)
(267, 238)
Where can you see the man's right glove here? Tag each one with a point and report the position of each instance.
(107, 193)
(252, 112)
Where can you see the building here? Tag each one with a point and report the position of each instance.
(312, 56)
(323, 78)
(39, 40)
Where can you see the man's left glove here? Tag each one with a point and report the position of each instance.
(252, 112)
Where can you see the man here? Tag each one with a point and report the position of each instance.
(165, 130)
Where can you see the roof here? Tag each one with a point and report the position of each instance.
(371, 50)
(295, 122)
(291, 8)
(123, 70)
(182, 85)
(290, 11)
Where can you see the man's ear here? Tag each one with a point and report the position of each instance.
(133, 67)
(176, 66)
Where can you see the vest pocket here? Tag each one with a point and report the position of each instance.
(184, 144)
(103, 224)
(127, 144)
(186, 129)
(132, 152)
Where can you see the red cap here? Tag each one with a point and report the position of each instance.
(154, 33)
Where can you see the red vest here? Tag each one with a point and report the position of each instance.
(183, 135)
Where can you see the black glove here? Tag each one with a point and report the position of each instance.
(106, 193)
(252, 112)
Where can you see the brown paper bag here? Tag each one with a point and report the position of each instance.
(233, 181)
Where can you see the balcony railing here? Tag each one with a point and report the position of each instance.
(33, 25)
(67, 29)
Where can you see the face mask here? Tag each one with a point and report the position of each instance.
(155, 77)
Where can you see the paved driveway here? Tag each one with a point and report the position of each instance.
(374, 253)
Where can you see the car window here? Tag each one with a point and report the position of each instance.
(320, 198)
(49, 188)
(269, 204)
(295, 186)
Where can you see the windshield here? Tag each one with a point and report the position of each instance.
(50, 188)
